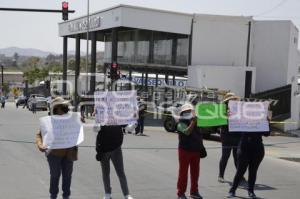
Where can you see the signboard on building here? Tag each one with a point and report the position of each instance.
(160, 81)
(82, 25)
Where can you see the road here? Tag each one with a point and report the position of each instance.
(150, 161)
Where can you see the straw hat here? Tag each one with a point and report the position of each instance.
(186, 107)
(58, 101)
(230, 96)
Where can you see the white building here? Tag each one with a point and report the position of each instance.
(230, 55)
(233, 53)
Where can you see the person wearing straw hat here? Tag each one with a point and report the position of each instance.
(189, 152)
(229, 141)
(60, 160)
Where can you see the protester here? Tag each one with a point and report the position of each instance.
(190, 151)
(108, 147)
(229, 141)
(141, 114)
(60, 160)
(3, 100)
(250, 154)
(33, 104)
(25, 103)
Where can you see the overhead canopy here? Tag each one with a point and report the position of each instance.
(130, 17)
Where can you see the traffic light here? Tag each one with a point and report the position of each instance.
(114, 71)
(65, 10)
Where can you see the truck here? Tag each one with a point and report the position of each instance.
(193, 96)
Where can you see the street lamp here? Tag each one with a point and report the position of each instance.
(87, 45)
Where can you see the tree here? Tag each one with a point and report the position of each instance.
(51, 58)
(30, 63)
(83, 64)
(16, 58)
(34, 74)
(33, 61)
(71, 64)
(55, 69)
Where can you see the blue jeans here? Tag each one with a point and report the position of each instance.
(140, 126)
(60, 166)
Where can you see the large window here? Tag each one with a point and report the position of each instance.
(126, 42)
(182, 51)
(134, 47)
(162, 48)
(107, 48)
(143, 42)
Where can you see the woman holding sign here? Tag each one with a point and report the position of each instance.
(250, 154)
(229, 141)
(108, 146)
(190, 151)
(60, 159)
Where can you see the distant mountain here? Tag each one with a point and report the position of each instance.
(9, 52)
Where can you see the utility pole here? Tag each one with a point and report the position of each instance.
(2, 78)
(87, 47)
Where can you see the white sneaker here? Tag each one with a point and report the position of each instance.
(107, 196)
(128, 197)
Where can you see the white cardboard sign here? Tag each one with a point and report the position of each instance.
(248, 116)
(116, 107)
(62, 131)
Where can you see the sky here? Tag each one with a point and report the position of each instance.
(40, 30)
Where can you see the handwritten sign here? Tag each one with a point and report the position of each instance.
(116, 107)
(211, 114)
(248, 116)
(60, 132)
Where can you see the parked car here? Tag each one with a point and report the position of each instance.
(42, 102)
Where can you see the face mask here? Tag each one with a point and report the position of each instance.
(187, 115)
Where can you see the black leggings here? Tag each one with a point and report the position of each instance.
(248, 157)
(229, 143)
(226, 151)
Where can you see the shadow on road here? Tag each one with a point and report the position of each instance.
(259, 187)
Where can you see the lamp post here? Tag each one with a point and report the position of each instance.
(87, 45)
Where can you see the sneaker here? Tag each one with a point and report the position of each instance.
(107, 196)
(196, 196)
(251, 194)
(182, 197)
(230, 195)
(221, 179)
(128, 197)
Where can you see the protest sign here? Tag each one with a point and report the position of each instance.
(116, 107)
(248, 116)
(61, 131)
(211, 114)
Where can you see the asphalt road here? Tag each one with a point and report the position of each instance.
(150, 161)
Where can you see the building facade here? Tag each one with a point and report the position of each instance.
(233, 53)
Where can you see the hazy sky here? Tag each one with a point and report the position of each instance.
(40, 30)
